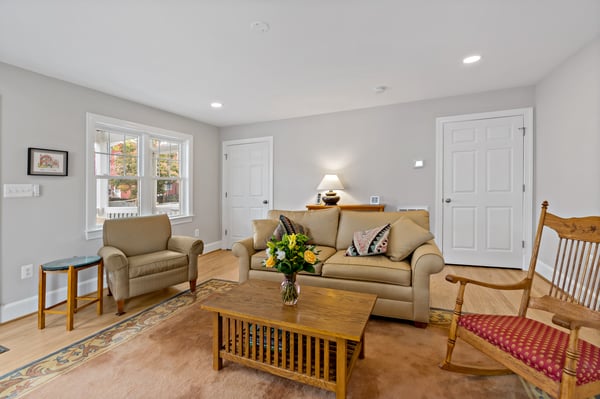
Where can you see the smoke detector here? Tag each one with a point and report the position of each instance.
(260, 26)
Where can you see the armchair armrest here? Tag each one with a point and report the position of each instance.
(244, 250)
(190, 246)
(114, 259)
(116, 266)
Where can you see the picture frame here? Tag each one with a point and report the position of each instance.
(374, 200)
(46, 162)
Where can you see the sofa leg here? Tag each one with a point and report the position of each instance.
(120, 307)
(420, 324)
(192, 285)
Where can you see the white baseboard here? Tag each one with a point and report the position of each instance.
(213, 246)
(544, 270)
(27, 306)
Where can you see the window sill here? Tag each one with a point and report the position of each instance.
(96, 233)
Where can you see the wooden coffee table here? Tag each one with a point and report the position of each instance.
(315, 342)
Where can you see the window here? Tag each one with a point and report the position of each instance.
(135, 170)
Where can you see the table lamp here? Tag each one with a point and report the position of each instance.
(330, 182)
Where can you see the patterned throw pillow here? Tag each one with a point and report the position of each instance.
(288, 226)
(369, 242)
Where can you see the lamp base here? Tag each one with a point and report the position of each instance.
(330, 198)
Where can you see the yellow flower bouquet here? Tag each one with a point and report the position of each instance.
(291, 255)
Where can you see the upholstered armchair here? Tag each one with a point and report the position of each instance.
(140, 256)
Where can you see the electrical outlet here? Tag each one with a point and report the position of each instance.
(26, 271)
(197, 233)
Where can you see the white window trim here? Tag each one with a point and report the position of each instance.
(94, 121)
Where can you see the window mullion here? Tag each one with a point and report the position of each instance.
(146, 176)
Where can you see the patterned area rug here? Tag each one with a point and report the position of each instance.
(31, 376)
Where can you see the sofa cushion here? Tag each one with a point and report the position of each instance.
(288, 226)
(405, 236)
(369, 242)
(256, 261)
(322, 224)
(263, 231)
(156, 262)
(351, 221)
(377, 268)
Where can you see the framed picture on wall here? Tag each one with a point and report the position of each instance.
(374, 200)
(44, 162)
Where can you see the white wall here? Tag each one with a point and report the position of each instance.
(372, 150)
(37, 111)
(568, 137)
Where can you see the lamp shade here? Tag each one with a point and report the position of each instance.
(330, 182)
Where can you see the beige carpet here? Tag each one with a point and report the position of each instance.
(173, 359)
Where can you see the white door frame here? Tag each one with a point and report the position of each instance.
(225, 144)
(527, 114)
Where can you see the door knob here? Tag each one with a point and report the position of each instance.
(448, 200)
(265, 202)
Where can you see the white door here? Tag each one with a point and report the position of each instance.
(247, 186)
(483, 192)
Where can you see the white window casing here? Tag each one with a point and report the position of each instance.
(172, 150)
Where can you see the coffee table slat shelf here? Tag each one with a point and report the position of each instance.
(319, 354)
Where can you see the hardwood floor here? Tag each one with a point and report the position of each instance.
(27, 343)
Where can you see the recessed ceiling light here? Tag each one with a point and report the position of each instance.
(471, 59)
(216, 104)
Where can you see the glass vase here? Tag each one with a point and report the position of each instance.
(289, 289)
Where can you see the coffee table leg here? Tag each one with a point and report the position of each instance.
(361, 354)
(340, 378)
(217, 341)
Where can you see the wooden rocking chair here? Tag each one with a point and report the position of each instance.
(553, 359)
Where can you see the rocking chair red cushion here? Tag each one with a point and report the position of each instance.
(534, 343)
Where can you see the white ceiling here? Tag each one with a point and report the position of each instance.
(319, 56)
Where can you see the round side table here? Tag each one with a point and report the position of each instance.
(70, 266)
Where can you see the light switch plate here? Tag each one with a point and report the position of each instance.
(21, 190)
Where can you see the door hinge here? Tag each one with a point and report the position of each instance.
(225, 194)
(523, 244)
(226, 231)
(523, 188)
(523, 129)
(225, 156)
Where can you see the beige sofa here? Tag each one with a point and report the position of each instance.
(140, 255)
(401, 286)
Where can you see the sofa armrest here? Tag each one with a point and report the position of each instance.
(244, 250)
(190, 246)
(426, 260)
(116, 266)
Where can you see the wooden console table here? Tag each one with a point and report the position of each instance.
(354, 207)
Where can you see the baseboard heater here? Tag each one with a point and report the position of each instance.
(413, 208)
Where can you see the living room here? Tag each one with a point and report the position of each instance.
(372, 147)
